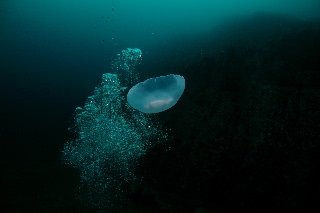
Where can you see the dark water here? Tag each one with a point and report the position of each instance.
(245, 134)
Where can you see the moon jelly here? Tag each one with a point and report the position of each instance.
(156, 94)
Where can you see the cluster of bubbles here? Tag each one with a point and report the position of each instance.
(125, 62)
(110, 139)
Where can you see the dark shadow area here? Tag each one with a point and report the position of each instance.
(246, 129)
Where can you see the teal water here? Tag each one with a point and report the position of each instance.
(243, 136)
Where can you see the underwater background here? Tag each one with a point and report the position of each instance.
(244, 136)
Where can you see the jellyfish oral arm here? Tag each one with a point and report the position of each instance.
(158, 104)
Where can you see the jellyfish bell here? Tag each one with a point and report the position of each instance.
(156, 94)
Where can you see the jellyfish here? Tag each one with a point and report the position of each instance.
(156, 94)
